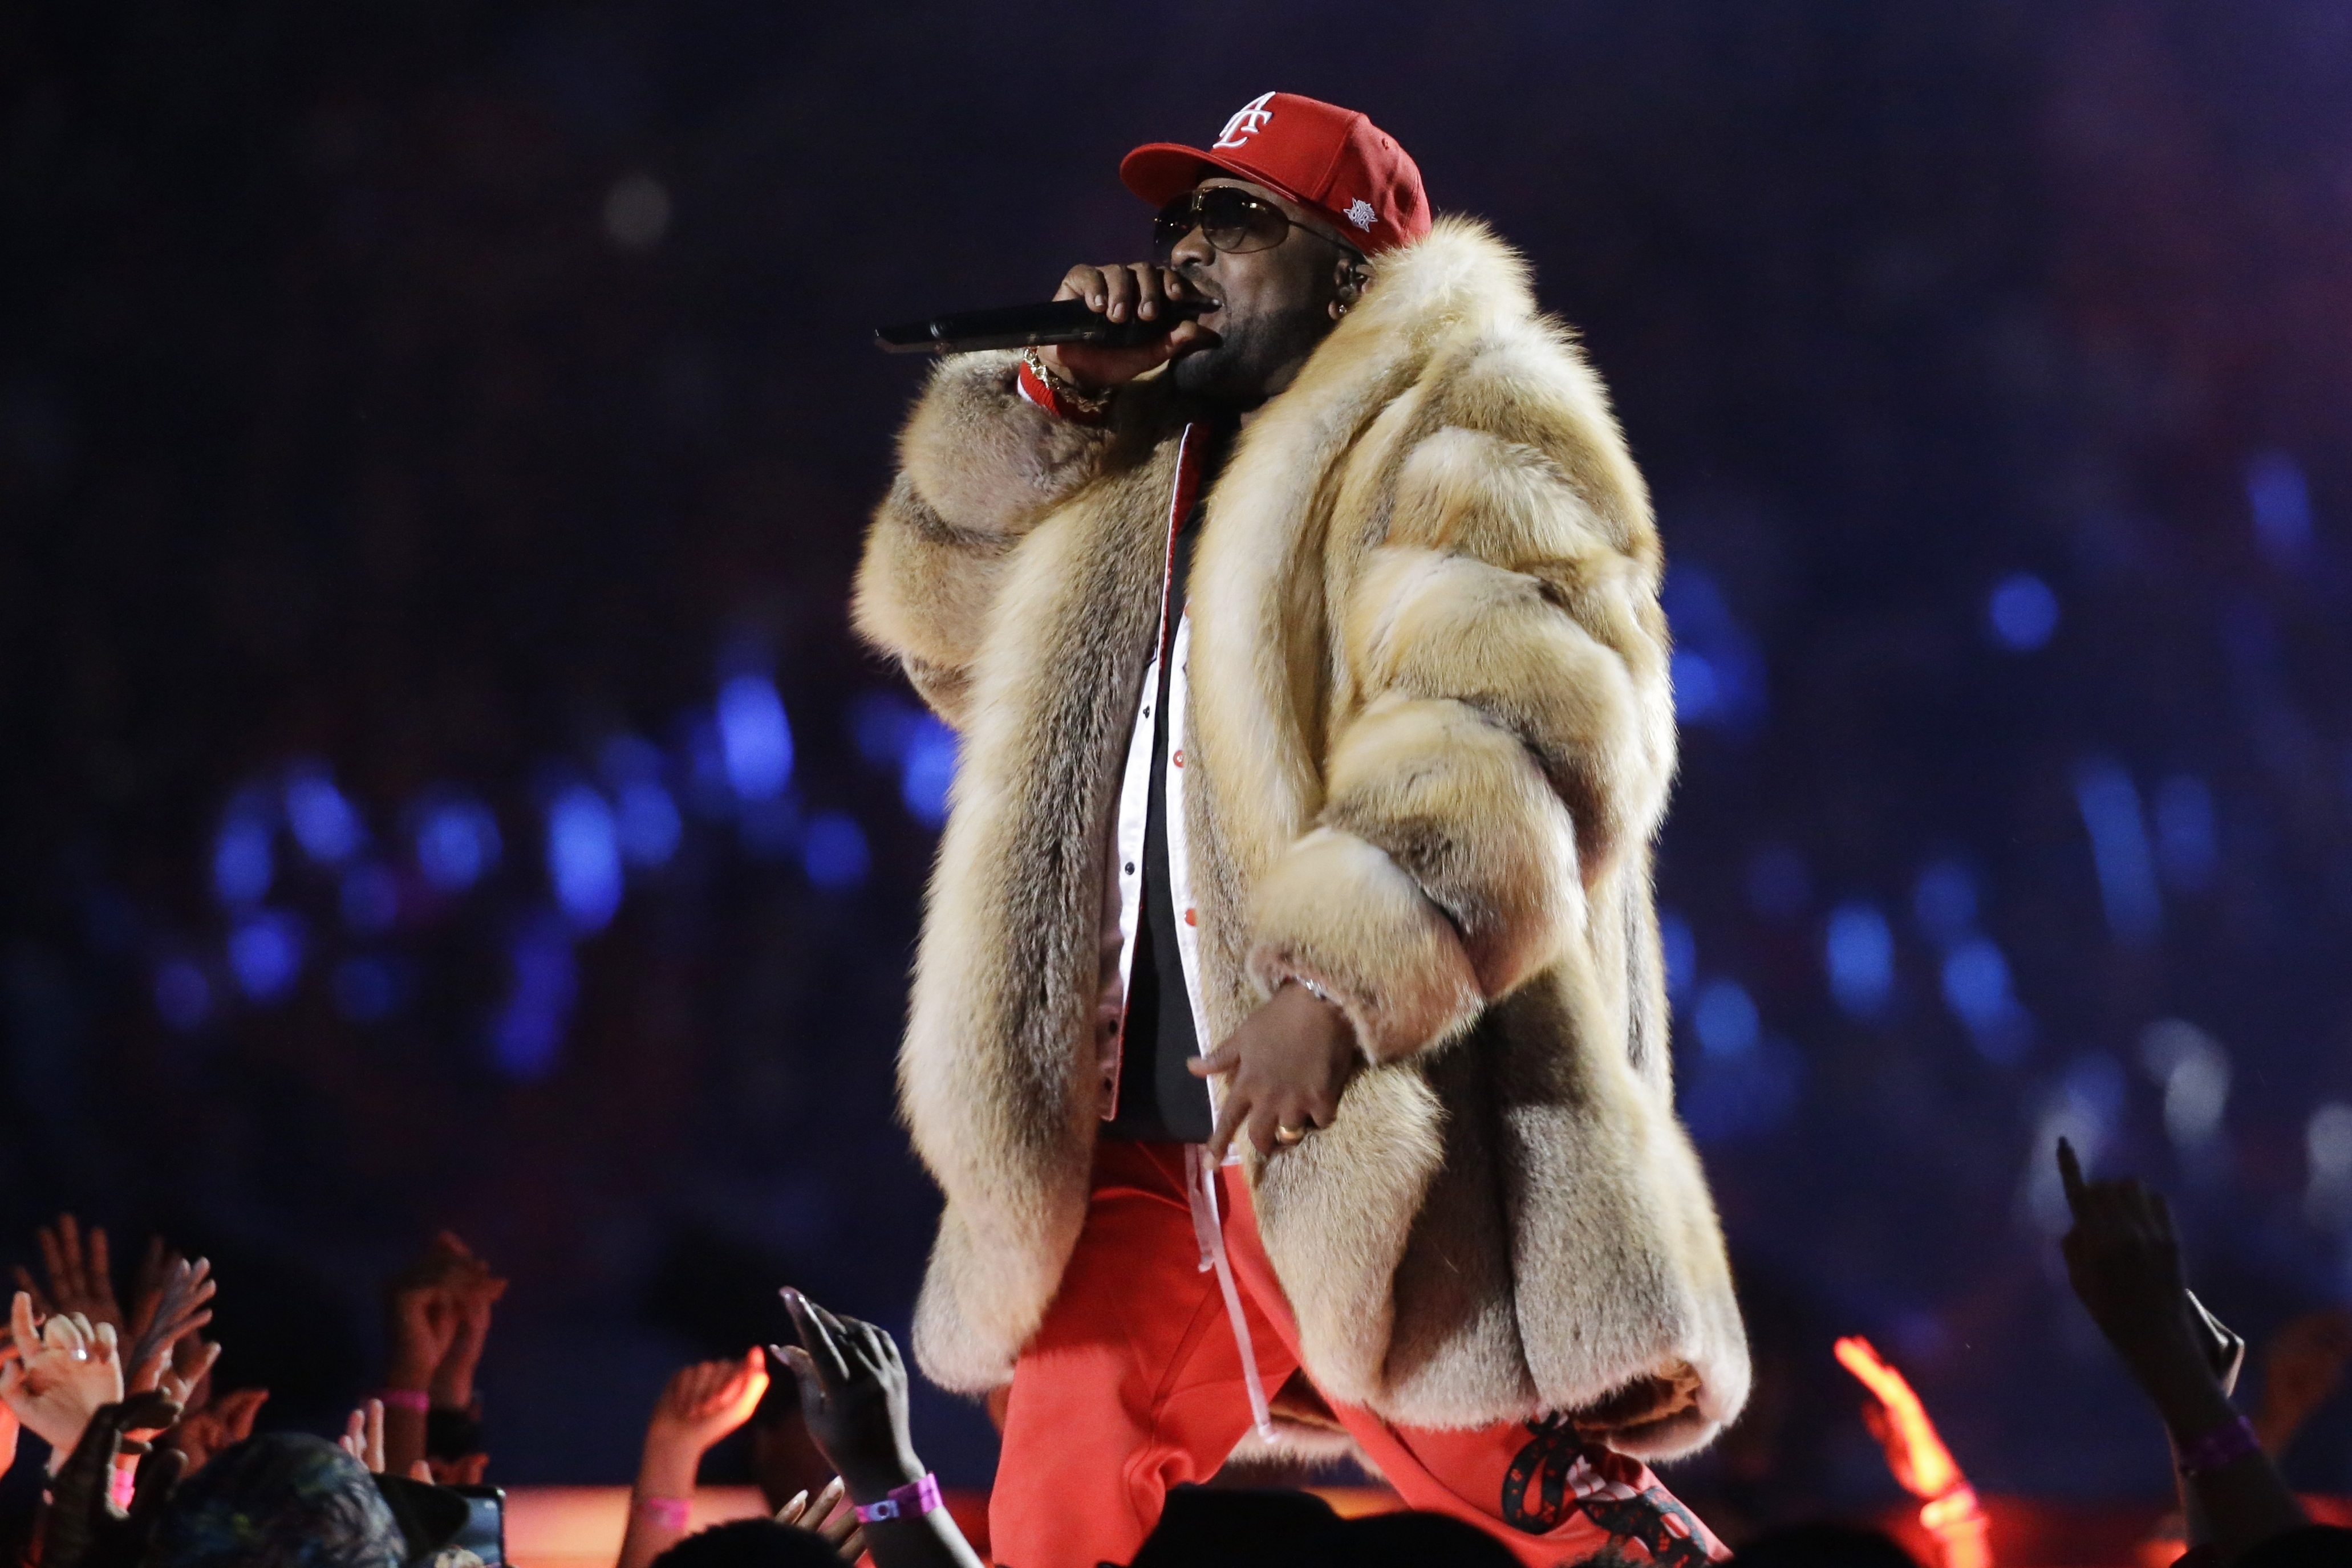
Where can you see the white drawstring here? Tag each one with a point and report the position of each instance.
(1200, 1187)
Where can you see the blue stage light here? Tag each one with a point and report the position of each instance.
(647, 822)
(930, 768)
(1976, 983)
(264, 954)
(832, 851)
(457, 843)
(1858, 948)
(583, 857)
(2188, 848)
(325, 825)
(1944, 901)
(1679, 950)
(243, 860)
(1724, 1019)
(2022, 612)
(2280, 499)
(2109, 804)
(755, 739)
(528, 1035)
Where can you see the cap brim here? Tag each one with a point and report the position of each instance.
(1160, 172)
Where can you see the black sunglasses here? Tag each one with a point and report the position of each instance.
(1231, 220)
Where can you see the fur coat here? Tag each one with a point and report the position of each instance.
(1430, 740)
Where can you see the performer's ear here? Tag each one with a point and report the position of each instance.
(1349, 280)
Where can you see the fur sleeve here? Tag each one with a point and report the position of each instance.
(1515, 733)
(977, 466)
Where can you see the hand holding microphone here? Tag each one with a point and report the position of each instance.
(1136, 291)
(1105, 326)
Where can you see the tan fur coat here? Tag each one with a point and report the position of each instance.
(1430, 741)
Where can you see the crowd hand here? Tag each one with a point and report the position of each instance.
(854, 1397)
(85, 1528)
(1285, 1070)
(163, 1337)
(222, 1422)
(472, 1291)
(2302, 1365)
(363, 1437)
(2125, 1264)
(63, 1373)
(831, 1515)
(853, 1390)
(703, 1403)
(1130, 291)
(81, 1277)
(425, 1318)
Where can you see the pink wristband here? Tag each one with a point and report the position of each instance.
(668, 1512)
(2224, 1444)
(912, 1501)
(412, 1399)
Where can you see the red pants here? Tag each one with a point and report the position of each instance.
(1134, 1383)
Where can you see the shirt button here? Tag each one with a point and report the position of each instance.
(1192, 917)
(1130, 868)
(1147, 713)
(1178, 758)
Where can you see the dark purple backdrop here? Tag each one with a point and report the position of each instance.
(401, 404)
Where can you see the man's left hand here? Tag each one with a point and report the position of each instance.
(1288, 1062)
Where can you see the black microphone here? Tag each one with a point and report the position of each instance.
(1021, 326)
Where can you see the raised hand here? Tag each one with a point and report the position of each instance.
(63, 1373)
(423, 1320)
(223, 1422)
(2125, 1264)
(181, 1304)
(81, 1273)
(705, 1402)
(831, 1515)
(363, 1437)
(854, 1397)
(701, 1405)
(471, 1291)
(85, 1530)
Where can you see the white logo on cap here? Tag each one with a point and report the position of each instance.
(1361, 213)
(1246, 122)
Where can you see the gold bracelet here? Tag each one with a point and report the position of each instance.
(1063, 390)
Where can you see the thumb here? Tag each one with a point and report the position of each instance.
(1224, 1058)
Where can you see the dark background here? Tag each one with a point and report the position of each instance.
(400, 402)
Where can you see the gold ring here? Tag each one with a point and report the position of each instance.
(1289, 1134)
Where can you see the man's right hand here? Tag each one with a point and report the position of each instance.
(1133, 291)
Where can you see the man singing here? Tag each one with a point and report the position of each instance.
(1313, 698)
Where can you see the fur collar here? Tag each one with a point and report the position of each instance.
(1257, 600)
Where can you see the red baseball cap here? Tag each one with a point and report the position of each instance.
(1321, 156)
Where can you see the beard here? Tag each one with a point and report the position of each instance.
(1250, 353)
